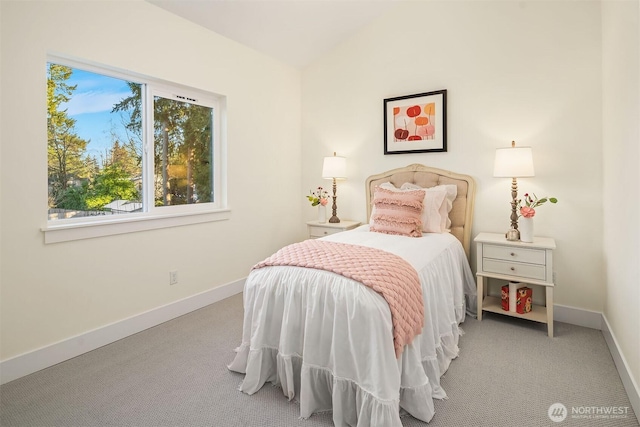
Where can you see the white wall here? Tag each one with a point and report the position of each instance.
(528, 71)
(621, 152)
(56, 291)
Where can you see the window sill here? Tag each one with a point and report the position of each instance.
(64, 232)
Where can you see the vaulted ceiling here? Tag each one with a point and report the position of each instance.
(293, 31)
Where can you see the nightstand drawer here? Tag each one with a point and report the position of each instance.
(315, 231)
(532, 256)
(530, 271)
(318, 229)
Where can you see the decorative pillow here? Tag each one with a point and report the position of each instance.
(397, 212)
(451, 191)
(433, 220)
(386, 186)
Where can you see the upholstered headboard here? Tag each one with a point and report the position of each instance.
(461, 214)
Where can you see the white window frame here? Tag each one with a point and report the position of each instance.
(152, 217)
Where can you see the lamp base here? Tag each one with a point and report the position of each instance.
(513, 235)
(334, 217)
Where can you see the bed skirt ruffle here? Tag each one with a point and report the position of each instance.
(317, 390)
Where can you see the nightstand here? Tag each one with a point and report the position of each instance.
(530, 263)
(321, 229)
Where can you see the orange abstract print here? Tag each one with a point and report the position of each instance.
(414, 122)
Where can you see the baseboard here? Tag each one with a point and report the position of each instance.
(630, 385)
(33, 361)
(597, 320)
(577, 316)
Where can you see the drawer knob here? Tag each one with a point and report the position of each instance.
(513, 269)
(513, 254)
(325, 232)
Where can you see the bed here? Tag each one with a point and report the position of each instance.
(328, 341)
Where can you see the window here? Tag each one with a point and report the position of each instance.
(182, 159)
(123, 147)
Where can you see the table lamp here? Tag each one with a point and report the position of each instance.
(513, 162)
(334, 168)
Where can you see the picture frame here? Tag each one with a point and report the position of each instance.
(416, 123)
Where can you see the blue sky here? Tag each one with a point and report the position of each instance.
(91, 106)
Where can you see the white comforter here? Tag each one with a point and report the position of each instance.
(328, 342)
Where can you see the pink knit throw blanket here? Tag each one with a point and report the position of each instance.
(388, 274)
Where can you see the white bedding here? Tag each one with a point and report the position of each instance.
(327, 340)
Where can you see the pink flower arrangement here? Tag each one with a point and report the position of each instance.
(528, 211)
(318, 197)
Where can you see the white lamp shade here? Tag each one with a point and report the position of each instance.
(334, 167)
(513, 162)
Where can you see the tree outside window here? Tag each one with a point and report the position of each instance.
(96, 136)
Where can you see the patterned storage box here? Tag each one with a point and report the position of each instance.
(505, 297)
(524, 300)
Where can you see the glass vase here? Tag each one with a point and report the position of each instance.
(525, 225)
(322, 214)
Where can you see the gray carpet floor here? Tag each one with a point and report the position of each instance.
(508, 374)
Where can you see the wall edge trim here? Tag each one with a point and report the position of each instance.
(597, 320)
(577, 316)
(629, 383)
(44, 357)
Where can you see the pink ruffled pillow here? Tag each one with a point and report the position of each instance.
(397, 212)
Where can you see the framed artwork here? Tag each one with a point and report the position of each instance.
(416, 123)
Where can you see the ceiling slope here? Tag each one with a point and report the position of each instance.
(295, 32)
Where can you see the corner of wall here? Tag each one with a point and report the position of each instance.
(624, 370)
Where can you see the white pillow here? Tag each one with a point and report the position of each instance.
(451, 191)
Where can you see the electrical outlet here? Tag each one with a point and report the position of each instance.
(173, 277)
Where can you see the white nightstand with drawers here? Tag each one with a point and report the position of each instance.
(530, 263)
(321, 229)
